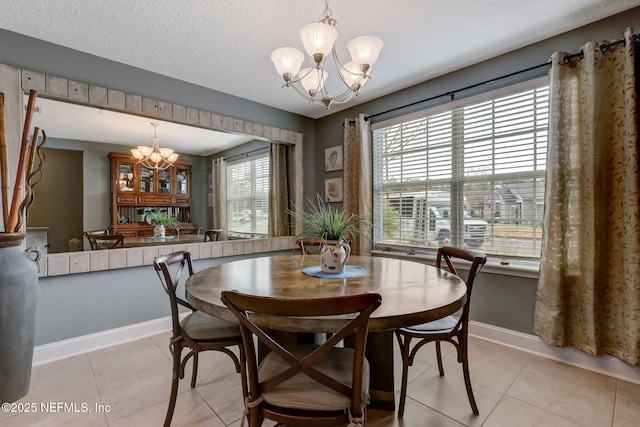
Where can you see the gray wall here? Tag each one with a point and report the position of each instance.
(80, 304)
(75, 305)
(57, 200)
(499, 300)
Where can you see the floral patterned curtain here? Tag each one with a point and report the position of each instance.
(219, 189)
(588, 293)
(358, 183)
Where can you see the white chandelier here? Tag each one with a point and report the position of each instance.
(318, 40)
(154, 157)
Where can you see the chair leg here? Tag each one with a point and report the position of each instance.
(439, 356)
(404, 351)
(467, 383)
(172, 401)
(467, 377)
(175, 353)
(194, 375)
(243, 372)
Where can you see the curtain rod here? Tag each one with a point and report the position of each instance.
(453, 92)
(246, 153)
(603, 48)
(567, 58)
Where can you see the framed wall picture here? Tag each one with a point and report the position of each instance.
(333, 190)
(333, 159)
(210, 182)
(210, 200)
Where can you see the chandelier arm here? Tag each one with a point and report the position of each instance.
(160, 166)
(339, 66)
(338, 63)
(299, 79)
(344, 97)
(305, 96)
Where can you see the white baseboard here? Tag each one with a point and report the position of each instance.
(529, 343)
(83, 344)
(606, 365)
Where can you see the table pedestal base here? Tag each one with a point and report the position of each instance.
(379, 353)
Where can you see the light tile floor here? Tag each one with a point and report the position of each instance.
(128, 385)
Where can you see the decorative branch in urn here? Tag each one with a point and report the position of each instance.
(29, 171)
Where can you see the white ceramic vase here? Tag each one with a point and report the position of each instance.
(159, 231)
(334, 256)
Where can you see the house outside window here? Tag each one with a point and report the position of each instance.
(467, 174)
(248, 196)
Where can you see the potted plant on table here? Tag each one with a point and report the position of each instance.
(335, 227)
(162, 220)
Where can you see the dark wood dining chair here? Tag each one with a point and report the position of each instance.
(305, 244)
(89, 234)
(449, 329)
(212, 235)
(107, 241)
(305, 385)
(198, 331)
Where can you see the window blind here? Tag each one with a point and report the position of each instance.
(467, 174)
(248, 195)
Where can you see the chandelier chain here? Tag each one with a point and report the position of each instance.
(327, 12)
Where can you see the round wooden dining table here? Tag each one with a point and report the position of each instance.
(412, 293)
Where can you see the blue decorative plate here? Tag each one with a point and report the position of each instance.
(350, 271)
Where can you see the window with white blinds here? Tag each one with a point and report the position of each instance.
(248, 196)
(467, 174)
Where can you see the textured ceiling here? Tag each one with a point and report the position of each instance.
(226, 44)
(76, 122)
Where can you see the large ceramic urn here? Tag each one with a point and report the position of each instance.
(18, 291)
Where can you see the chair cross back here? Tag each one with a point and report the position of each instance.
(90, 234)
(477, 260)
(106, 241)
(212, 235)
(251, 310)
(181, 260)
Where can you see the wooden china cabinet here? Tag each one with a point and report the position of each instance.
(136, 189)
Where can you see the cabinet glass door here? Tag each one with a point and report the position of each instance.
(125, 176)
(164, 181)
(146, 180)
(182, 180)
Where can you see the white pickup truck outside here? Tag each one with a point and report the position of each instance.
(427, 218)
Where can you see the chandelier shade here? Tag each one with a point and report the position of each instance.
(351, 75)
(154, 157)
(312, 79)
(287, 60)
(319, 40)
(365, 50)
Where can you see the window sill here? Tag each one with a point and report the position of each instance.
(506, 267)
